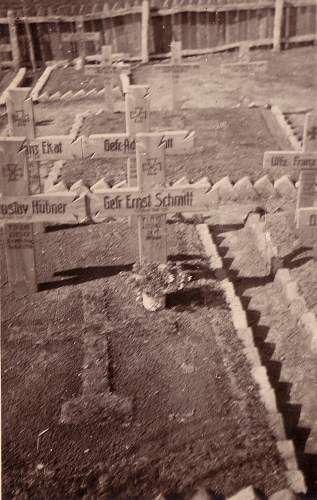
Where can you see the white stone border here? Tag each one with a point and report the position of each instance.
(286, 283)
(286, 128)
(70, 95)
(294, 476)
(17, 80)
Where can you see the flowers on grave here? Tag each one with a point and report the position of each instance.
(157, 280)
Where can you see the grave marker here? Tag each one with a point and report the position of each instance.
(176, 68)
(246, 68)
(306, 162)
(18, 238)
(81, 38)
(151, 200)
(20, 113)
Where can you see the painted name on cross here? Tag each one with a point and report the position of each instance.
(38, 208)
(290, 159)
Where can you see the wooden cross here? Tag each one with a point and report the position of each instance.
(19, 210)
(306, 162)
(81, 37)
(176, 68)
(151, 200)
(245, 67)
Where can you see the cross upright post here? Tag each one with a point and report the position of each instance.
(176, 67)
(18, 238)
(106, 63)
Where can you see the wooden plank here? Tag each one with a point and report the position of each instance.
(137, 105)
(262, 22)
(278, 23)
(290, 160)
(306, 193)
(212, 30)
(106, 63)
(20, 113)
(19, 247)
(202, 30)
(145, 31)
(186, 30)
(150, 163)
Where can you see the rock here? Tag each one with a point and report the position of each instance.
(264, 187)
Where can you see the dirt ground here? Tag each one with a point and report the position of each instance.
(285, 347)
(196, 413)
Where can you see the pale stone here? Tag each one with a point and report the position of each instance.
(224, 189)
(245, 494)
(264, 187)
(67, 95)
(78, 95)
(283, 495)
(43, 97)
(58, 188)
(296, 481)
(56, 96)
(287, 451)
(183, 181)
(285, 188)
(79, 187)
(244, 190)
(260, 376)
(100, 186)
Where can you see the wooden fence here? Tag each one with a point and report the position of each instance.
(141, 32)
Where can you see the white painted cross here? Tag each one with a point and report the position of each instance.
(306, 162)
(105, 67)
(246, 68)
(307, 195)
(151, 200)
(19, 210)
(176, 68)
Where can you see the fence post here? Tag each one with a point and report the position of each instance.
(13, 39)
(145, 30)
(278, 25)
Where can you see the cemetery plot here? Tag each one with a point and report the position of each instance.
(281, 340)
(183, 368)
(284, 233)
(207, 87)
(64, 79)
(235, 138)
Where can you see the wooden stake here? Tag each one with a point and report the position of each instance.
(150, 162)
(29, 37)
(278, 25)
(145, 30)
(106, 62)
(19, 245)
(137, 105)
(14, 39)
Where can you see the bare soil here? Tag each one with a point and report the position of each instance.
(196, 412)
(228, 142)
(297, 257)
(65, 79)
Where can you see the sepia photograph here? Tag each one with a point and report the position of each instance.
(158, 249)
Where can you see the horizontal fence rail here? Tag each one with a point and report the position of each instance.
(141, 29)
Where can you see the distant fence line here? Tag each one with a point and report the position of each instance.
(142, 32)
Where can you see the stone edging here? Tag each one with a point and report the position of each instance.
(294, 476)
(41, 82)
(286, 283)
(19, 77)
(71, 95)
(286, 128)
